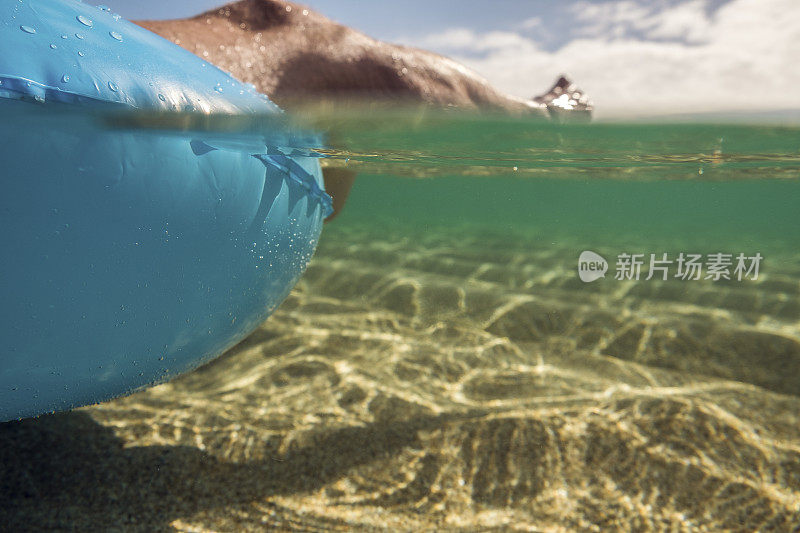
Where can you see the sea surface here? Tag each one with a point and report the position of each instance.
(513, 325)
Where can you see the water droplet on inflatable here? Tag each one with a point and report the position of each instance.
(85, 21)
(115, 16)
(218, 88)
(81, 54)
(52, 46)
(113, 86)
(161, 97)
(64, 36)
(65, 78)
(28, 29)
(103, 7)
(79, 36)
(115, 35)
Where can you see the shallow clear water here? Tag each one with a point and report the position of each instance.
(442, 365)
(664, 185)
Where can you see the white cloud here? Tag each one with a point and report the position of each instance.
(531, 23)
(468, 41)
(611, 20)
(684, 22)
(631, 59)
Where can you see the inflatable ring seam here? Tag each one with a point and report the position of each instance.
(19, 88)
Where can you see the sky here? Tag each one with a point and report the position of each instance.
(633, 57)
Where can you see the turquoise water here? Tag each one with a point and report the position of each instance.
(748, 214)
(661, 185)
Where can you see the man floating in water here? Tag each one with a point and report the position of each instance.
(295, 56)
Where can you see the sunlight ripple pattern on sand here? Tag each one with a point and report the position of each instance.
(415, 385)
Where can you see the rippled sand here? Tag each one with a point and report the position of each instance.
(415, 384)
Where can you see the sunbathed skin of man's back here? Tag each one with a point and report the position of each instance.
(292, 54)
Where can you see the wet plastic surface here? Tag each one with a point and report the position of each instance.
(130, 255)
(67, 51)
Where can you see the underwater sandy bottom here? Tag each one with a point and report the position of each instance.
(449, 382)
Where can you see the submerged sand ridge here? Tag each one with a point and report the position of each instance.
(449, 382)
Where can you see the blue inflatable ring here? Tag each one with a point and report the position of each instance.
(131, 255)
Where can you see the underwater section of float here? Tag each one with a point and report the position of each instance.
(132, 252)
